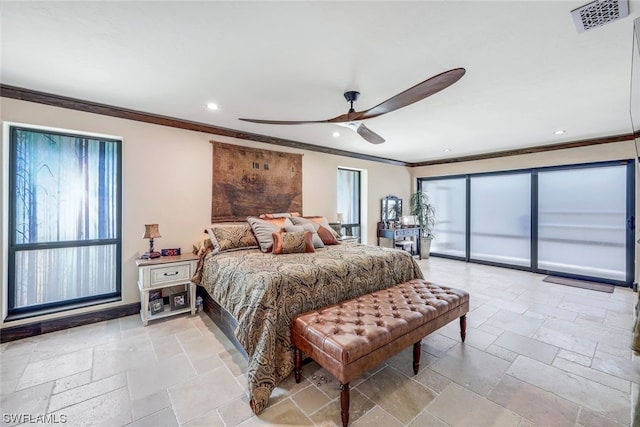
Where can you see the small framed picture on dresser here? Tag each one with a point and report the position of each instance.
(178, 301)
(156, 306)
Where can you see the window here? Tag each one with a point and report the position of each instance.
(349, 201)
(64, 220)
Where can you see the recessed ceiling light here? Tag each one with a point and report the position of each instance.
(336, 134)
(446, 150)
(559, 132)
(212, 106)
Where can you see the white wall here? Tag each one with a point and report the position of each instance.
(167, 180)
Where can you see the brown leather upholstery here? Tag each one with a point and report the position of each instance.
(351, 337)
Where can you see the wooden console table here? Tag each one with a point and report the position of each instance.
(397, 234)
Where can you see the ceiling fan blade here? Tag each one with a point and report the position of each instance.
(414, 94)
(369, 135)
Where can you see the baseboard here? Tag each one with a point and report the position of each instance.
(12, 333)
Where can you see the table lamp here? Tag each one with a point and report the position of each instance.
(151, 232)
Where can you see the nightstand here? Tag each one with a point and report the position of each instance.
(164, 272)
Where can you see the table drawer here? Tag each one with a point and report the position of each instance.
(407, 233)
(171, 273)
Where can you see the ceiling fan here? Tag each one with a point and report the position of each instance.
(352, 119)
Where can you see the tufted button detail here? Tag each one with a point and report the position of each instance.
(360, 323)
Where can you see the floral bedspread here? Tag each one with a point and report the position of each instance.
(265, 291)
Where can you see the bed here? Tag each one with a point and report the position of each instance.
(262, 292)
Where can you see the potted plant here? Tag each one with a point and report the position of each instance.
(420, 206)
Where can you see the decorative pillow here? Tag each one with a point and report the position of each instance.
(312, 228)
(232, 238)
(295, 242)
(279, 215)
(323, 222)
(324, 231)
(201, 246)
(263, 230)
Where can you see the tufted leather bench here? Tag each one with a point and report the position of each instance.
(350, 338)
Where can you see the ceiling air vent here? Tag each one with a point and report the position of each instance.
(598, 13)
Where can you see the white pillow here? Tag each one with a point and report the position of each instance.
(263, 230)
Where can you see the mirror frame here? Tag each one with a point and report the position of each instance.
(391, 209)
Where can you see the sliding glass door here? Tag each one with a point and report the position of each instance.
(576, 221)
(501, 218)
(582, 221)
(450, 196)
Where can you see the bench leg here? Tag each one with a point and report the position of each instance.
(297, 366)
(416, 357)
(344, 403)
(463, 327)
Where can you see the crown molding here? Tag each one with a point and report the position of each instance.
(29, 95)
(530, 150)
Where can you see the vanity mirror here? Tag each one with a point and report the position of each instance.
(391, 209)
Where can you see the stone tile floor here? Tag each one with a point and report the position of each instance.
(537, 354)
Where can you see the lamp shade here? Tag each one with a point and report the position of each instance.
(151, 231)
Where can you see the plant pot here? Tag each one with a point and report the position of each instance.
(425, 247)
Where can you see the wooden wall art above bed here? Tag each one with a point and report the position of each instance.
(248, 181)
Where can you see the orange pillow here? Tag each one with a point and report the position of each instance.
(279, 221)
(279, 215)
(293, 242)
